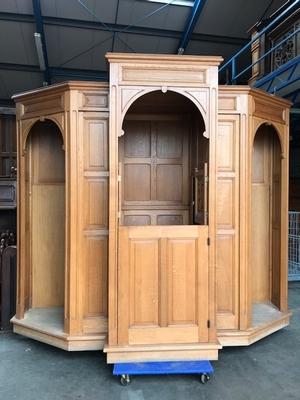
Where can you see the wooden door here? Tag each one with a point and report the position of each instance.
(163, 285)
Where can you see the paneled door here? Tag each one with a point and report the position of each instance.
(163, 285)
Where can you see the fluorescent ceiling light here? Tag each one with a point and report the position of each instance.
(186, 3)
(39, 50)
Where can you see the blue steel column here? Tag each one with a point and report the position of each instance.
(190, 25)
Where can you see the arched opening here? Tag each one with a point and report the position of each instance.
(163, 162)
(45, 223)
(266, 221)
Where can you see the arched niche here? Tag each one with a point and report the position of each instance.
(163, 162)
(44, 213)
(198, 98)
(266, 220)
(27, 125)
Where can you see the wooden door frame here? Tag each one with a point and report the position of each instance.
(123, 92)
(281, 130)
(24, 128)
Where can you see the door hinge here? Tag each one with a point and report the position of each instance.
(208, 241)
(208, 323)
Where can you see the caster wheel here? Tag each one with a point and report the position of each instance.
(204, 378)
(125, 380)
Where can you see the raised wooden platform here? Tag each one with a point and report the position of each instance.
(266, 319)
(46, 325)
(173, 352)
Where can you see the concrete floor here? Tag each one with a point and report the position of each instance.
(269, 369)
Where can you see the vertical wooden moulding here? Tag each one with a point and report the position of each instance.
(67, 213)
(213, 111)
(113, 209)
(284, 220)
(74, 311)
(20, 227)
(245, 159)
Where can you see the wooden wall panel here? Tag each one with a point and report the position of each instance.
(182, 278)
(95, 276)
(93, 227)
(48, 245)
(96, 143)
(227, 218)
(227, 282)
(96, 192)
(144, 271)
(153, 156)
(226, 212)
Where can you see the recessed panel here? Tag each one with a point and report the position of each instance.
(225, 273)
(169, 139)
(169, 220)
(95, 276)
(169, 183)
(96, 145)
(225, 203)
(181, 261)
(137, 182)
(144, 268)
(226, 145)
(136, 220)
(96, 203)
(137, 139)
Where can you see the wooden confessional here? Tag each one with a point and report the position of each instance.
(173, 224)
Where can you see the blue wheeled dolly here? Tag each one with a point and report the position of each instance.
(202, 368)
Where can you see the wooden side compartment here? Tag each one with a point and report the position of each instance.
(252, 215)
(63, 215)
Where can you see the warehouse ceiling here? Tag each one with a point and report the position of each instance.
(76, 34)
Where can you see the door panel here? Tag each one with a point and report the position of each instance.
(163, 284)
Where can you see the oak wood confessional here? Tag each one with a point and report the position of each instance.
(173, 225)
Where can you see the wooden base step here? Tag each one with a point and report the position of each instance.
(172, 352)
(266, 320)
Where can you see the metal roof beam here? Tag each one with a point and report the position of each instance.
(190, 25)
(134, 30)
(73, 73)
(40, 29)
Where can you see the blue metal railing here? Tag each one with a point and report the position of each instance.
(231, 64)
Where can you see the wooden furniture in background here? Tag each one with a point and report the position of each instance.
(8, 145)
